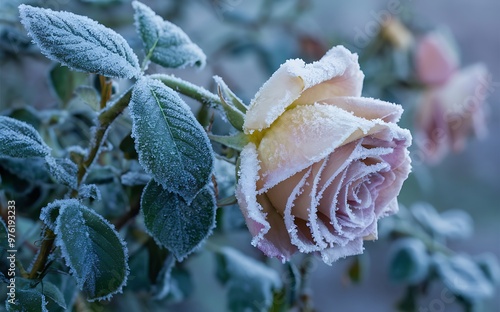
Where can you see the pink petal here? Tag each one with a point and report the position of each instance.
(305, 135)
(263, 221)
(436, 58)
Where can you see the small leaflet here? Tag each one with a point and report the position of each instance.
(95, 253)
(248, 281)
(28, 300)
(172, 146)
(80, 43)
(165, 43)
(63, 170)
(20, 140)
(173, 223)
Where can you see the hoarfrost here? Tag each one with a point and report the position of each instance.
(172, 145)
(175, 224)
(93, 250)
(164, 42)
(90, 191)
(79, 42)
(62, 170)
(20, 140)
(133, 178)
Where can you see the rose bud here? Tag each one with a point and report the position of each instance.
(449, 113)
(323, 163)
(436, 58)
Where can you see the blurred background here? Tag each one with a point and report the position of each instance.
(245, 42)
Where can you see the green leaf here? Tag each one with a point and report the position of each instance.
(63, 171)
(234, 99)
(89, 96)
(409, 261)
(250, 283)
(49, 290)
(165, 43)
(127, 146)
(93, 250)
(172, 146)
(235, 117)
(463, 277)
(80, 43)
(175, 224)
(64, 81)
(28, 300)
(237, 141)
(20, 140)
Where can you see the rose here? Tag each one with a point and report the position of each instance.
(323, 163)
(452, 103)
(436, 58)
(447, 114)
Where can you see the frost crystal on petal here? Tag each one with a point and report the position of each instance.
(79, 42)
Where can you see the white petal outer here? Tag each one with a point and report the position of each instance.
(336, 74)
(263, 221)
(330, 255)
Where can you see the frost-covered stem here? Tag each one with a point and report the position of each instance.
(193, 91)
(104, 121)
(43, 254)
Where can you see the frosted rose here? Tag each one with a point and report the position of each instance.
(324, 164)
(448, 114)
(436, 58)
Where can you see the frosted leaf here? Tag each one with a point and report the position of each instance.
(28, 300)
(93, 250)
(63, 170)
(248, 281)
(463, 277)
(175, 224)
(49, 290)
(453, 224)
(31, 169)
(89, 96)
(20, 140)
(409, 261)
(165, 43)
(133, 178)
(90, 191)
(172, 145)
(79, 42)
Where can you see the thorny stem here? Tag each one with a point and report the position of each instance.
(104, 121)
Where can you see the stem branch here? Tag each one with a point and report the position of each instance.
(191, 90)
(104, 121)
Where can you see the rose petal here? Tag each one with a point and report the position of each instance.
(263, 221)
(305, 135)
(336, 74)
(436, 58)
(354, 247)
(367, 108)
